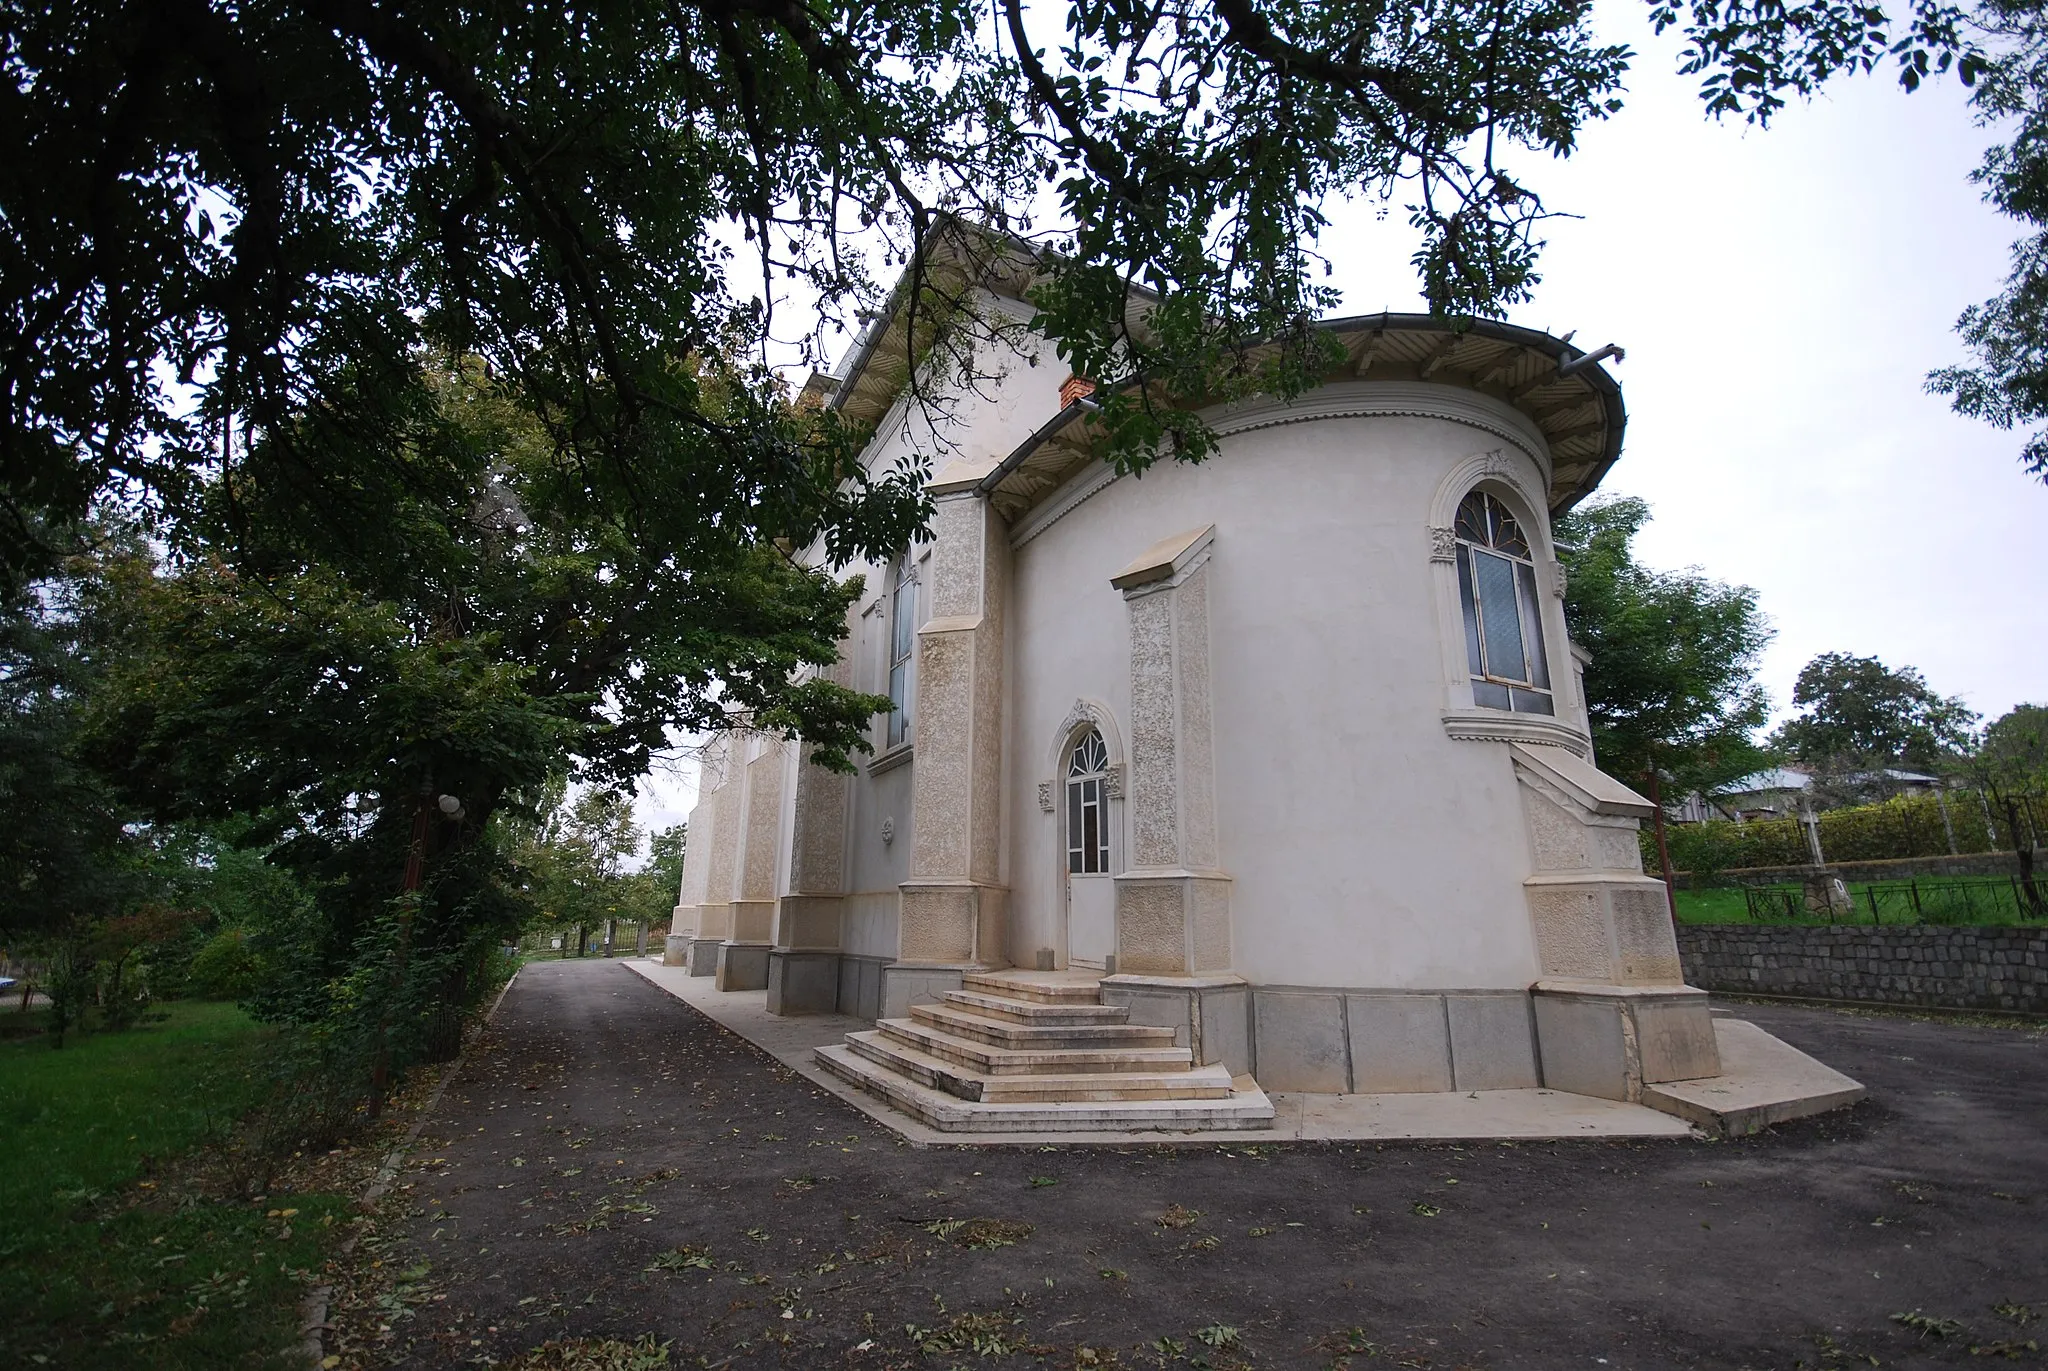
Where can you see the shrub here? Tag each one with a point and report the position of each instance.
(1904, 826)
(227, 968)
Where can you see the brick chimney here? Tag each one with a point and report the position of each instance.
(1074, 388)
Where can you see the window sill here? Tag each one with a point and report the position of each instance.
(890, 760)
(1499, 725)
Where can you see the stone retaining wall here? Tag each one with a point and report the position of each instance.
(1955, 968)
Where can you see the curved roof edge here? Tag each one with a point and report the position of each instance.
(1575, 404)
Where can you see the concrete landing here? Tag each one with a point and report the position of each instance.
(1447, 1117)
(1763, 1081)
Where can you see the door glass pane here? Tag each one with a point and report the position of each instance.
(1091, 827)
(1532, 625)
(1073, 827)
(1500, 620)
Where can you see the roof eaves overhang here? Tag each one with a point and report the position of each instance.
(1577, 409)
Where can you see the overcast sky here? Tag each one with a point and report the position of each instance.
(1781, 294)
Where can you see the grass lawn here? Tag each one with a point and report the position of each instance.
(1712, 906)
(1727, 905)
(107, 1260)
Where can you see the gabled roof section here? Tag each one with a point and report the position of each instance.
(959, 258)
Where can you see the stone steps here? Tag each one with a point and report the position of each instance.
(986, 1059)
(1042, 987)
(1038, 1052)
(937, 1109)
(1200, 1083)
(1033, 1011)
(1027, 1036)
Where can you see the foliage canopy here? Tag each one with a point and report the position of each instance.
(1859, 715)
(287, 203)
(1671, 683)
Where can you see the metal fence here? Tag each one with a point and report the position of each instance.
(1909, 902)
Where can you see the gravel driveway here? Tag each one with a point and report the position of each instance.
(611, 1163)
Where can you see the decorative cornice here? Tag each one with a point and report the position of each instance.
(1090, 481)
(1166, 562)
(1337, 400)
(1390, 399)
(1500, 726)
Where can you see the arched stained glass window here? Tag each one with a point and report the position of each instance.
(1088, 806)
(1503, 618)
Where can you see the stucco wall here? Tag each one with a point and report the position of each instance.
(1961, 968)
(1367, 847)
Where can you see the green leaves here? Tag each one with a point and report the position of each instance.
(1857, 714)
(1671, 681)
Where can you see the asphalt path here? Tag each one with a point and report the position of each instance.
(610, 1163)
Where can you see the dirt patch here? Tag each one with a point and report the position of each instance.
(612, 1165)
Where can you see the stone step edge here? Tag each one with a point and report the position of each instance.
(1042, 992)
(1245, 1109)
(936, 1073)
(1001, 1033)
(1003, 1061)
(1035, 1011)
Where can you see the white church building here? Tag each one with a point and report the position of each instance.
(1270, 772)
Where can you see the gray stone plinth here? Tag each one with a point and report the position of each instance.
(1210, 1015)
(1493, 1041)
(1399, 1043)
(703, 957)
(675, 950)
(803, 982)
(907, 983)
(1345, 1041)
(743, 966)
(1300, 1042)
(860, 986)
(1609, 1041)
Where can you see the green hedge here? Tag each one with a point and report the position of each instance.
(1906, 826)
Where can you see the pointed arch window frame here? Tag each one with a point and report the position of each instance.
(1506, 654)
